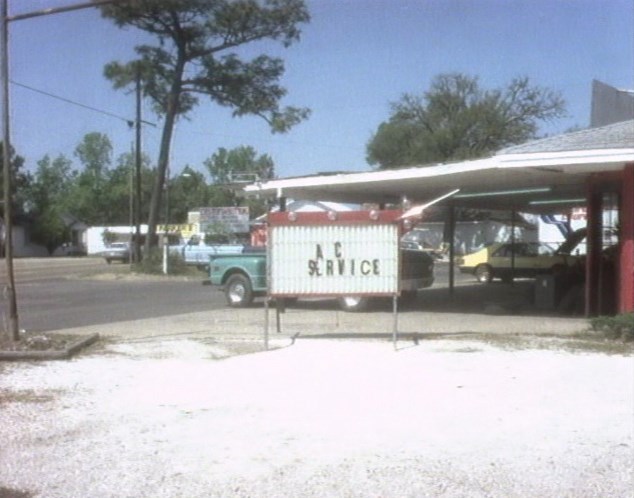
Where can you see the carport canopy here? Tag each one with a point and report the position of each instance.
(548, 175)
(551, 175)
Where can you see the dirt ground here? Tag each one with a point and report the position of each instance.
(188, 407)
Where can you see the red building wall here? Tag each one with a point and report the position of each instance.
(613, 291)
(626, 260)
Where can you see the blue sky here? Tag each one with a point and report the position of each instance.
(354, 58)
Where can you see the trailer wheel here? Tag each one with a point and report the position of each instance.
(238, 291)
(353, 303)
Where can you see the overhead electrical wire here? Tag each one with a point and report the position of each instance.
(129, 122)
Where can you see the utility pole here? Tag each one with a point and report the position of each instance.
(13, 329)
(13, 321)
(137, 162)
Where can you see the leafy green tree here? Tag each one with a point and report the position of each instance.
(50, 199)
(457, 119)
(119, 188)
(197, 54)
(241, 164)
(20, 183)
(91, 197)
(49, 229)
(95, 154)
(188, 191)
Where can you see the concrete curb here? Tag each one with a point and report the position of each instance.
(63, 354)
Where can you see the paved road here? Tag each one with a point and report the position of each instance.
(38, 269)
(61, 293)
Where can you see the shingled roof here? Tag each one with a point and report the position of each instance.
(614, 136)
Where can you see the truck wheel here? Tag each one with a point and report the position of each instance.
(484, 274)
(408, 297)
(353, 303)
(238, 291)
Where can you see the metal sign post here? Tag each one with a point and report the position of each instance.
(395, 317)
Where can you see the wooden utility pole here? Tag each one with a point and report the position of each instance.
(13, 329)
(12, 322)
(137, 162)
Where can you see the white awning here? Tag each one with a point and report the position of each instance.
(535, 182)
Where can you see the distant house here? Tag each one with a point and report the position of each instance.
(76, 244)
(25, 247)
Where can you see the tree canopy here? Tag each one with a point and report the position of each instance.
(90, 197)
(20, 181)
(49, 200)
(238, 165)
(196, 55)
(456, 119)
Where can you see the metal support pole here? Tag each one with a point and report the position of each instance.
(13, 329)
(278, 315)
(61, 10)
(452, 251)
(266, 323)
(513, 245)
(131, 213)
(395, 320)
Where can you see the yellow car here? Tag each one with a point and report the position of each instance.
(530, 259)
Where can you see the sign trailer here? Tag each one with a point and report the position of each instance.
(333, 254)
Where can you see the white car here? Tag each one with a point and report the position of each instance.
(117, 251)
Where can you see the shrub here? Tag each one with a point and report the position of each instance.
(153, 263)
(619, 327)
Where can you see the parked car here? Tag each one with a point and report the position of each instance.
(117, 251)
(530, 259)
(422, 240)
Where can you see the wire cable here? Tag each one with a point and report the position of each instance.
(129, 122)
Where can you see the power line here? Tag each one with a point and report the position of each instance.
(129, 122)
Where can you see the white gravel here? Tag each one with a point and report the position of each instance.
(322, 418)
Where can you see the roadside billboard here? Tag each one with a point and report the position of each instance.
(226, 219)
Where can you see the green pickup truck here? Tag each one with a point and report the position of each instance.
(242, 277)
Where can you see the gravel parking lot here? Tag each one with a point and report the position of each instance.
(167, 408)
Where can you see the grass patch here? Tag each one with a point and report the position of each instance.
(589, 342)
(152, 264)
(27, 396)
(14, 493)
(467, 350)
(37, 342)
(617, 328)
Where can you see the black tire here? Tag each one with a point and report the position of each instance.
(238, 291)
(483, 274)
(353, 303)
(408, 297)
